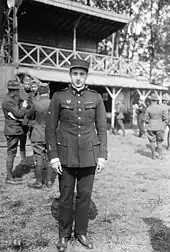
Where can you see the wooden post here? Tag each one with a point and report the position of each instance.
(113, 95)
(75, 35)
(15, 36)
(74, 40)
(113, 109)
(113, 45)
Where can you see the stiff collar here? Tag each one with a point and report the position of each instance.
(75, 91)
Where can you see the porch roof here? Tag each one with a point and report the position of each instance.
(95, 79)
(61, 15)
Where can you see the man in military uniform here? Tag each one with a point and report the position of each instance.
(28, 93)
(38, 112)
(120, 117)
(77, 150)
(13, 127)
(140, 114)
(156, 117)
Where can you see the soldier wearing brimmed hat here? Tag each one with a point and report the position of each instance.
(38, 113)
(13, 127)
(155, 116)
(77, 150)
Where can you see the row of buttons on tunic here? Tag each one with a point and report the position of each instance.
(79, 118)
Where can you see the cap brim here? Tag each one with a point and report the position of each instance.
(78, 66)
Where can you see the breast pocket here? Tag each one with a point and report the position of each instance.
(90, 109)
(67, 111)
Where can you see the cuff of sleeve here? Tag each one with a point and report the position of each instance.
(53, 160)
(102, 160)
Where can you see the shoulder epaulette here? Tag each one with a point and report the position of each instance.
(92, 90)
(64, 89)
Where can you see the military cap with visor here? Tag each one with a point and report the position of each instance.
(79, 63)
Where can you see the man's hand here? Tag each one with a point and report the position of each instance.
(24, 104)
(56, 165)
(100, 165)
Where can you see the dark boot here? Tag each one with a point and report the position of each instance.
(152, 145)
(159, 146)
(9, 165)
(62, 244)
(38, 173)
(48, 176)
(85, 241)
(23, 158)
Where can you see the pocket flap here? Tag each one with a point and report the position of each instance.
(61, 142)
(90, 105)
(65, 105)
(95, 141)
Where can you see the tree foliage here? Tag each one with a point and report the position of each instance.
(146, 35)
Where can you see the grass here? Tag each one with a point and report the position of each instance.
(129, 208)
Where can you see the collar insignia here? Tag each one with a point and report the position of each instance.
(68, 101)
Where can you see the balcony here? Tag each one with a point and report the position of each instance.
(43, 57)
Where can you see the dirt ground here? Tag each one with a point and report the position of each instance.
(130, 208)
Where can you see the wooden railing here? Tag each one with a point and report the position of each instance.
(38, 56)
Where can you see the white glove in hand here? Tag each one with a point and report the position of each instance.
(100, 165)
(24, 104)
(56, 165)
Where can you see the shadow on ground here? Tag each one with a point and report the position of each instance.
(159, 234)
(143, 152)
(21, 170)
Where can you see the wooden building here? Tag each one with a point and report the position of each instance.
(43, 35)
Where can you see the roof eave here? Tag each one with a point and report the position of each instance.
(88, 10)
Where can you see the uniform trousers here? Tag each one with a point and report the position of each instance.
(41, 159)
(12, 144)
(156, 135)
(84, 178)
(141, 124)
(120, 125)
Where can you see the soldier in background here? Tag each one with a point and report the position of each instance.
(120, 117)
(140, 114)
(28, 93)
(155, 118)
(13, 126)
(38, 113)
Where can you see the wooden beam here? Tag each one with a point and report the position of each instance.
(15, 36)
(113, 109)
(109, 92)
(139, 92)
(118, 92)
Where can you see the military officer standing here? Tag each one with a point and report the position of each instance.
(77, 150)
(156, 117)
(13, 126)
(38, 113)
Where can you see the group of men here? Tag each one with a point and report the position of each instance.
(25, 109)
(72, 127)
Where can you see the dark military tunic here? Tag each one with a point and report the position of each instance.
(76, 128)
(12, 127)
(120, 111)
(155, 116)
(39, 113)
